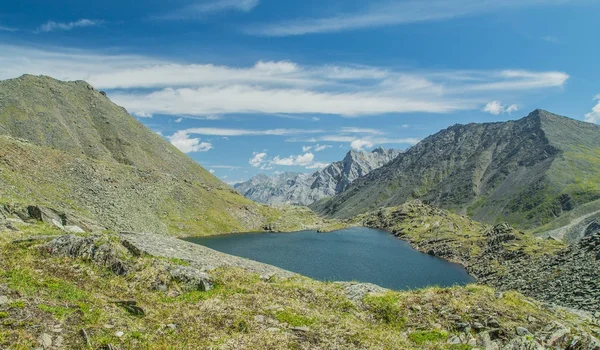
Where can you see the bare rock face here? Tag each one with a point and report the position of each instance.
(305, 189)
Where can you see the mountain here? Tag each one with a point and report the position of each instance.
(305, 189)
(527, 172)
(66, 146)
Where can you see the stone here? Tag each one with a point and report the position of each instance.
(3, 299)
(463, 326)
(303, 329)
(74, 229)
(58, 342)
(191, 278)
(454, 340)
(478, 326)
(521, 331)
(46, 341)
(119, 334)
(493, 323)
(259, 318)
(558, 336)
(172, 326)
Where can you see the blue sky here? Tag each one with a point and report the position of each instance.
(249, 86)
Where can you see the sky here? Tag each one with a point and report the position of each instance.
(268, 86)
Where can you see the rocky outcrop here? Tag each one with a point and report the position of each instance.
(205, 259)
(305, 189)
(501, 256)
(571, 277)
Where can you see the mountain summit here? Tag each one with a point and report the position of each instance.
(66, 146)
(305, 189)
(527, 172)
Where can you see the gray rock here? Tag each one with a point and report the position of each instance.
(454, 340)
(190, 278)
(3, 300)
(357, 291)
(45, 341)
(93, 248)
(521, 331)
(493, 323)
(302, 329)
(74, 229)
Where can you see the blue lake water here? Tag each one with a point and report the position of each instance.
(355, 254)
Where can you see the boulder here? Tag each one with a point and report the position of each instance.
(190, 278)
(93, 248)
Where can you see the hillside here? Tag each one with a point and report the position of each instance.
(305, 189)
(527, 172)
(113, 291)
(66, 146)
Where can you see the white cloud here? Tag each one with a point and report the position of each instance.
(204, 8)
(52, 26)
(319, 148)
(389, 13)
(212, 171)
(306, 148)
(257, 159)
(300, 160)
(186, 144)
(249, 132)
(142, 114)
(351, 130)
(228, 167)
(7, 29)
(594, 115)
(360, 145)
(496, 108)
(178, 120)
(149, 86)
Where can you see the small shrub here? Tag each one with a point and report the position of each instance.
(385, 308)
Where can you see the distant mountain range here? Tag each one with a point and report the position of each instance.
(529, 173)
(305, 189)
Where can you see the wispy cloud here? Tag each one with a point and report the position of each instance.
(390, 12)
(7, 29)
(149, 86)
(52, 26)
(200, 9)
(249, 132)
(594, 115)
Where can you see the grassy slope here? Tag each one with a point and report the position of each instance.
(45, 291)
(86, 156)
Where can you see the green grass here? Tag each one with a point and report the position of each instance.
(293, 318)
(422, 337)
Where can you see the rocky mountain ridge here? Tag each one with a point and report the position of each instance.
(305, 189)
(527, 172)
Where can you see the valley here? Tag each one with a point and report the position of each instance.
(93, 206)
